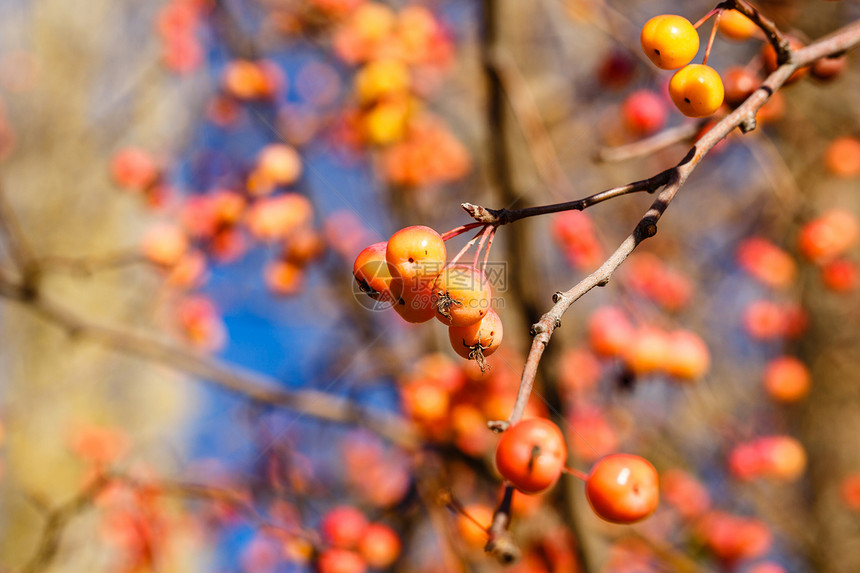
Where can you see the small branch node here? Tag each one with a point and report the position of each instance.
(748, 124)
(646, 229)
(498, 426)
(504, 550)
(481, 214)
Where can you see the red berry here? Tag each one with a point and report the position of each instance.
(623, 488)
(531, 455)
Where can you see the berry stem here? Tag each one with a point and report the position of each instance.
(576, 473)
(706, 17)
(484, 236)
(457, 507)
(456, 231)
(487, 250)
(712, 36)
(465, 248)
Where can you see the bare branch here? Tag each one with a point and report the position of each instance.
(87, 266)
(649, 145)
(252, 385)
(19, 248)
(55, 523)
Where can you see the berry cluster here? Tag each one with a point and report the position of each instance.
(220, 226)
(671, 42)
(354, 544)
(621, 488)
(401, 57)
(410, 271)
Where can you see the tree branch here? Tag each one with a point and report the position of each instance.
(19, 248)
(55, 523)
(252, 385)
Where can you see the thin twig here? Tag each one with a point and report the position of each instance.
(456, 231)
(87, 266)
(649, 145)
(55, 523)
(505, 216)
(19, 247)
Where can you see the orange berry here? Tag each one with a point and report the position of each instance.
(343, 526)
(648, 351)
(669, 41)
(826, 69)
(379, 546)
(623, 488)
(689, 358)
(740, 83)
(842, 157)
(471, 533)
(787, 379)
(165, 244)
(768, 55)
(336, 560)
(133, 168)
(477, 340)
(279, 163)
(828, 236)
(767, 262)
(277, 217)
(415, 256)
(840, 275)
(371, 272)
(531, 455)
(284, 278)
(736, 26)
(416, 304)
(609, 331)
(381, 78)
(463, 295)
(697, 90)
(644, 112)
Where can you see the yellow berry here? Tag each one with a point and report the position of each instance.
(736, 26)
(670, 41)
(697, 90)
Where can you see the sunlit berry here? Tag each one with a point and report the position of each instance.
(531, 455)
(343, 526)
(371, 272)
(669, 41)
(379, 546)
(478, 340)
(463, 295)
(623, 488)
(689, 358)
(697, 90)
(786, 379)
(736, 26)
